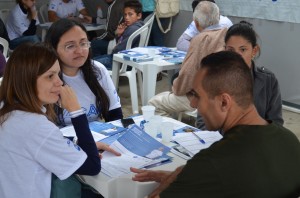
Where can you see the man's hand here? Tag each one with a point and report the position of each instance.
(164, 177)
(149, 175)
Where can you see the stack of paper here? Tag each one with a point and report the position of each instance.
(138, 150)
(191, 142)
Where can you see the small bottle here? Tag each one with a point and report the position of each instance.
(100, 19)
(99, 12)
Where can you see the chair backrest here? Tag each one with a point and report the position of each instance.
(4, 43)
(43, 12)
(150, 18)
(3, 14)
(144, 33)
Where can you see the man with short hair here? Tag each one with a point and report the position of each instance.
(210, 40)
(253, 159)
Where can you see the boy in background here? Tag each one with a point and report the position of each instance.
(132, 22)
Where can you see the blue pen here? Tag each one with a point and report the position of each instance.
(199, 138)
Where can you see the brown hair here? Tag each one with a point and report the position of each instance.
(18, 90)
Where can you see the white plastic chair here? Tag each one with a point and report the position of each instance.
(144, 33)
(3, 14)
(43, 12)
(5, 45)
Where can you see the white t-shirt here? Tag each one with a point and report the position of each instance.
(64, 10)
(193, 31)
(17, 23)
(31, 148)
(86, 97)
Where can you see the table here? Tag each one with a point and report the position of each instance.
(124, 187)
(89, 27)
(149, 70)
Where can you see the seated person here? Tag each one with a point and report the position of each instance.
(90, 80)
(241, 38)
(68, 9)
(255, 158)
(22, 23)
(184, 40)
(132, 22)
(3, 33)
(114, 17)
(31, 146)
(2, 64)
(210, 40)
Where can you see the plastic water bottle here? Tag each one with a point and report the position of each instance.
(99, 12)
(100, 19)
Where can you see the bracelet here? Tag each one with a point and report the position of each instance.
(76, 113)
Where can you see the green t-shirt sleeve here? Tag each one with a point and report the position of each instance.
(197, 179)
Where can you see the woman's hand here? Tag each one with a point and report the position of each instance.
(68, 99)
(105, 147)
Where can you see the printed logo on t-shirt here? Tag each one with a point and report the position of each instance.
(69, 142)
(92, 111)
(76, 147)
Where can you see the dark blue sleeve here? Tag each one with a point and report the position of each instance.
(31, 29)
(92, 165)
(114, 114)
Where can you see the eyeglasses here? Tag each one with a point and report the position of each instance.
(72, 47)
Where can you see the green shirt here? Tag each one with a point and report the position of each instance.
(250, 161)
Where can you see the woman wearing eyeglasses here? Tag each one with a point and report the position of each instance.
(90, 80)
(22, 23)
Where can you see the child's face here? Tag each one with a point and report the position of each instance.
(130, 16)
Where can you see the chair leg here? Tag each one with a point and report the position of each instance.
(180, 116)
(133, 90)
(140, 81)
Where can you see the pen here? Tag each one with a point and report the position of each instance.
(199, 138)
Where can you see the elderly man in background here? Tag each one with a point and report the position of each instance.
(206, 16)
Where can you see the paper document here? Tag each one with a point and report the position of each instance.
(191, 143)
(138, 149)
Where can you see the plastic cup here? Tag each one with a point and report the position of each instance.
(150, 129)
(156, 121)
(166, 131)
(148, 112)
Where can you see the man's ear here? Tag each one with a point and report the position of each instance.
(225, 102)
(199, 28)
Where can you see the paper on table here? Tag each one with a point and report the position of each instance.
(138, 149)
(192, 143)
(69, 131)
(115, 166)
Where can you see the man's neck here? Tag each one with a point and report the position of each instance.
(247, 116)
